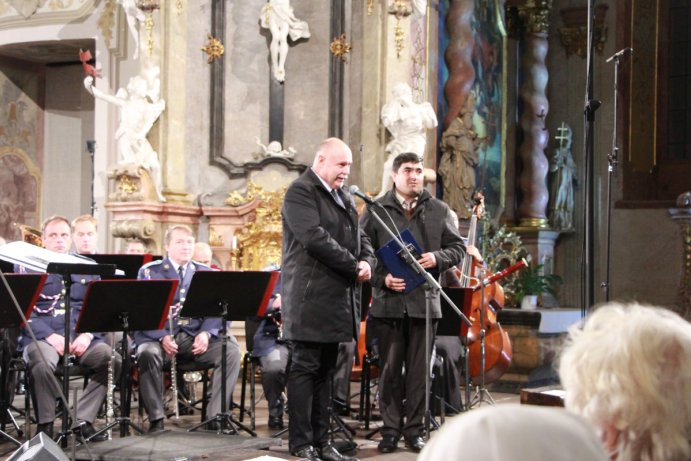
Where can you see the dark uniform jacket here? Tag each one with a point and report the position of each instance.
(322, 244)
(432, 226)
(163, 270)
(48, 316)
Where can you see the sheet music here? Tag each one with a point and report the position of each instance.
(37, 258)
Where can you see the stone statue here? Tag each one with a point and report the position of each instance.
(458, 161)
(140, 106)
(274, 149)
(278, 17)
(407, 121)
(563, 172)
(134, 15)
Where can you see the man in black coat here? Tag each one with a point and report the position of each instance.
(325, 258)
(399, 317)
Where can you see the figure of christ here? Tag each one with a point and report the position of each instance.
(278, 17)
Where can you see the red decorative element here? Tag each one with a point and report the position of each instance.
(85, 57)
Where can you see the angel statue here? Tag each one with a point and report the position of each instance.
(274, 149)
(140, 106)
(407, 121)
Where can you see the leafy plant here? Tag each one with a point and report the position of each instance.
(532, 281)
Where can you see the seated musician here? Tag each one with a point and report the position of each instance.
(47, 322)
(192, 339)
(273, 358)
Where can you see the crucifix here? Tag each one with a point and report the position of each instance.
(563, 136)
(278, 17)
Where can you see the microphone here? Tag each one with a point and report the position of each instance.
(620, 53)
(355, 190)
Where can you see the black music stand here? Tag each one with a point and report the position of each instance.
(451, 325)
(24, 288)
(125, 305)
(209, 295)
(129, 264)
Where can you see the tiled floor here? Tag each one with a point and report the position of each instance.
(367, 447)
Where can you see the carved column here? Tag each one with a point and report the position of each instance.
(458, 57)
(533, 178)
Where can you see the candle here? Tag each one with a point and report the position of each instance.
(234, 243)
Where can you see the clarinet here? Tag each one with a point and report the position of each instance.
(173, 373)
(110, 404)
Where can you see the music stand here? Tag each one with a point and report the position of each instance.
(129, 264)
(24, 288)
(125, 305)
(209, 295)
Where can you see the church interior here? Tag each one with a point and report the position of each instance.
(151, 113)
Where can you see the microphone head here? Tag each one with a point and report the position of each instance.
(354, 189)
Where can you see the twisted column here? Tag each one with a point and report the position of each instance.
(533, 178)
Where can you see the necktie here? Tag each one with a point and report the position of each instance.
(181, 273)
(337, 197)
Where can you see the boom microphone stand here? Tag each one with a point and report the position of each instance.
(612, 160)
(432, 288)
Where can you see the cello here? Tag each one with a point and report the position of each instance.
(487, 301)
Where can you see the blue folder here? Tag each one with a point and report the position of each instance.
(389, 254)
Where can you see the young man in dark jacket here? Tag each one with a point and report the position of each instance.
(399, 317)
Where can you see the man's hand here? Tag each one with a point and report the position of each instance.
(394, 284)
(475, 253)
(276, 305)
(364, 271)
(58, 342)
(169, 345)
(80, 344)
(201, 343)
(427, 260)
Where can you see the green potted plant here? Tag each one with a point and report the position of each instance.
(531, 282)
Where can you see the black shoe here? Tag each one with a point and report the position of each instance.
(329, 453)
(156, 426)
(415, 443)
(88, 430)
(46, 428)
(308, 453)
(276, 422)
(388, 444)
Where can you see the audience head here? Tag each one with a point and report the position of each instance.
(56, 234)
(84, 234)
(203, 253)
(332, 162)
(509, 432)
(628, 372)
(135, 247)
(179, 243)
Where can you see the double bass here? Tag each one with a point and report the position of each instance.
(487, 301)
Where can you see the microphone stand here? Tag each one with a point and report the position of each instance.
(591, 105)
(432, 287)
(612, 160)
